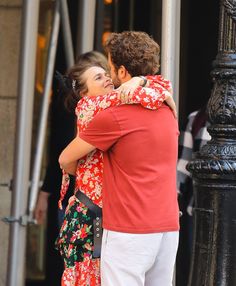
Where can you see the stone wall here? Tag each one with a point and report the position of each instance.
(10, 28)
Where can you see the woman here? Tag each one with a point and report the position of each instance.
(91, 83)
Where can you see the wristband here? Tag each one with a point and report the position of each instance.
(144, 80)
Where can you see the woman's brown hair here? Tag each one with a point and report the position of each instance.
(74, 76)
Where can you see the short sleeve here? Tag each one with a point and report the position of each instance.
(103, 131)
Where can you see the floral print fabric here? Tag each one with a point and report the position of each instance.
(75, 243)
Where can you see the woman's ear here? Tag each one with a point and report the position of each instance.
(83, 93)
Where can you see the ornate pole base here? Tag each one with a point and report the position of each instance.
(214, 170)
(214, 256)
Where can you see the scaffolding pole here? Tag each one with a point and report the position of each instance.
(87, 11)
(26, 83)
(67, 37)
(170, 44)
(44, 109)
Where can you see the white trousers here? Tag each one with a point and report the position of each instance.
(138, 259)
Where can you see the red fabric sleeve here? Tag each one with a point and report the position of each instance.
(103, 131)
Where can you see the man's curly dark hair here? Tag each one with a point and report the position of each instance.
(136, 51)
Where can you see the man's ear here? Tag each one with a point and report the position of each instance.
(122, 72)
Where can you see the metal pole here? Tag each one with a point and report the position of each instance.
(131, 14)
(99, 25)
(44, 109)
(26, 83)
(214, 169)
(170, 43)
(116, 16)
(170, 47)
(67, 37)
(87, 11)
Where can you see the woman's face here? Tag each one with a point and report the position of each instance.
(98, 82)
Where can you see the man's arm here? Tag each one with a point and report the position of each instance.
(77, 149)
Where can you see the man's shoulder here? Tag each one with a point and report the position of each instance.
(105, 117)
(121, 108)
(130, 109)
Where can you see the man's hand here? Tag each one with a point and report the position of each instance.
(76, 149)
(41, 207)
(170, 101)
(70, 168)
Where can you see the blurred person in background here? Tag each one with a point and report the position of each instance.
(192, 139)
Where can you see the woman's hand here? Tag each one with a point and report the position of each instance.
(128, 88)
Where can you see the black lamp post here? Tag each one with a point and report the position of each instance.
(214, 169)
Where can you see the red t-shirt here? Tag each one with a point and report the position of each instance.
(140, 155)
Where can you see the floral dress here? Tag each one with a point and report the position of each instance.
(75, 241)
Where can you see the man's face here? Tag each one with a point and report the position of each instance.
(114, 73)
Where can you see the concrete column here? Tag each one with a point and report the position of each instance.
(24, 111)
(10, 25)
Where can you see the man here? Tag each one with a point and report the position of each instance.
(140, 209)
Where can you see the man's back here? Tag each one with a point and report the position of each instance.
(139, 168)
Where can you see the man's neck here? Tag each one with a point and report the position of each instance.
(127, 78)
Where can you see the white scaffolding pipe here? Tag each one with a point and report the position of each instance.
(170, 44)
(87, 9)
(26, 83)
(67, 37)
(44, 110)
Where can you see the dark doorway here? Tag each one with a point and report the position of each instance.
(199, 36)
